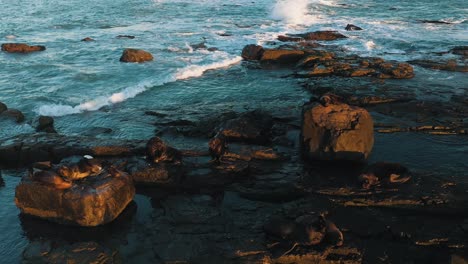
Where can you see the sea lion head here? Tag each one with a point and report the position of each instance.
(368, 180)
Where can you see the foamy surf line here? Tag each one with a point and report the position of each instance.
(191, 71)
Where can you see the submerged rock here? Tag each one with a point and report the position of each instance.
(460, 50)
(336, 131)
(87, 39)
(252, 52)
(135, 55)
(14, 114)
(21, 48)
(3, 107)
(91, 202)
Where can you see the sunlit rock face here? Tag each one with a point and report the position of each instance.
(93, 201)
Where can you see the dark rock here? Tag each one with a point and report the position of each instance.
(322, 35)
(460, 50)
(217, 146)
(252, 52)
(135, 55)
(81, 252)
(3, 107)
(289, 39)
(224, 34)
(158, 151)
(94, 201)
(337, 132)
(21, 48)
(282, 56)
(434, 22)
(213, 49)
(154, 113)
(450, 65)
(252, 127)
(13, 114)
(396, 71)
(2, 183)
(45, 124)
(87, 39)
(351, 27)
(161, 174)
(384, 174)
(200, 45)
(126, 36)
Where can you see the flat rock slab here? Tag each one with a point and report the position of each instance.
(91, 202)
(28, 148)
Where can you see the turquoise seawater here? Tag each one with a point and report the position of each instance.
(84, 86)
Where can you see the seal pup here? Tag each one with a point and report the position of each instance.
(158, 151)
(50, 178)
(384, 174)
(87, 166)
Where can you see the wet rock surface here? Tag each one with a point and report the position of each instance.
(135, 55)
(21, 48)
(90, 201)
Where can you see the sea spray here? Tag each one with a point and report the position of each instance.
(292, 12)
(130, 92)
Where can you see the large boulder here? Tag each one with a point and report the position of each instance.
(21, 48)
(94, 201)
(252, 52)
(14, 114)
(336, 131)
(135, 55)
(282, 56)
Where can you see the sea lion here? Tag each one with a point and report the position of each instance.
(84, 168)
(217, 147)
(50, 178)
(384, 174)
(330, 99)
(158, 151)
(333, 235)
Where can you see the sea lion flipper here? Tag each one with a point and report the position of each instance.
(283, 248)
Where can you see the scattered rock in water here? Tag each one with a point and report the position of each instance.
(282, 56)
(434, 22)
(384, 174)
(61, 252)
(90, 202)
(45, 124)
(125, 37)
(460, 50)
(158, 151)
(21, 48)
(252, 52)
(87, 39)
(213, 49)
(135, 55)
(450, 65)
(3, 107)
(160, 174)
(200, 45)
(289, 39)
(224, 34)
(14, 114)
(251, 127)
(396, 71)
(351, 27)
(336, 131)
(326, 35)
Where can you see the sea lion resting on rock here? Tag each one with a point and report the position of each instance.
(84, 168)
(158, 151)
(307, 230)
(217, 147)
(50, 178)
(384, 174)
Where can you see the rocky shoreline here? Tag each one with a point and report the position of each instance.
(265, 187)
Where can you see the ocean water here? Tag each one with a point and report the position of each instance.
(84, 86)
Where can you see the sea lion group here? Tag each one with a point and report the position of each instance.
(63, 176)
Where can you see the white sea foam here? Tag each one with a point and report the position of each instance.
(130, 92)
(293, 12)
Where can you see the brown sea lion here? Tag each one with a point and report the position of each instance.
(158, 151)
(330, 99)
(50, 178)
(384, 174)
(84, 168)
(217, 147)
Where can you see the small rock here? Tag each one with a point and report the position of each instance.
(460, 50)
(13, 114)
(3, 107)
(135, 55)
(126, 36)
(322, 35)
(289, 39)
(45, 124)
(87, 39)
(21, 48)
(351, 27)
(252, 52)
